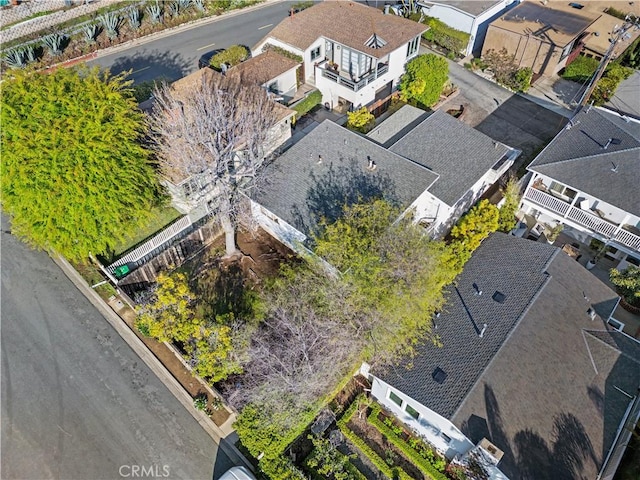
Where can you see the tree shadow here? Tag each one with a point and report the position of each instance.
(150, 65)
(345, 183)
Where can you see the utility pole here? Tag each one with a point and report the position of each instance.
(618, 35)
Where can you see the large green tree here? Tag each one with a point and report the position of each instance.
(74, 175)
(424, 79)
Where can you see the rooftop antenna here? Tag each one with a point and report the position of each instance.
(319, 159)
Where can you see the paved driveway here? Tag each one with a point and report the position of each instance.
(77, 403)
(503, 115)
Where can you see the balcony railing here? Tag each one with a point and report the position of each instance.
(352, 84)
(583, 218)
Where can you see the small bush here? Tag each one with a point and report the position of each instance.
(200, 402)
(232, 56)
(581, 69)
(361, 120)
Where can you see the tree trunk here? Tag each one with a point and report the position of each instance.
(229, 235)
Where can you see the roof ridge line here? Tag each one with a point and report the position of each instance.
(590, 332)
(631, 149)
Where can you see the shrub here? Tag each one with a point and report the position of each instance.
(522, 79)
(200, 402)
(232, 56)
(476, 225)
(308, 103)
(361, 120)
(424, 78)
(443, 35)
(627, 283)
(280, 468)
(581, 69)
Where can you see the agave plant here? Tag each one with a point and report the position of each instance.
(53, 42)
(30, 52)
(111, 23)
(15, 58)
(199, 4)
(133, 14)
(91, 32)
(155, 12)
(174, 9)
(184, 4)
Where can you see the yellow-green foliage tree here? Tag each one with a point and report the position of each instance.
(424, 79)
(473, 227)
(74, 176)
(507, 216)
(170, 316)
(361, 120)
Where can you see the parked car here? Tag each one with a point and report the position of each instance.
(205, 59)
(237, 473)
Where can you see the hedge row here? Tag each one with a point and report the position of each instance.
(442, 34)
(307, 104)
(396, 473)
(418, 460)
(232, 56)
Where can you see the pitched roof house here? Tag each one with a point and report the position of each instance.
(352, 53)
(528, 363)
(428, 175)
(587, 179)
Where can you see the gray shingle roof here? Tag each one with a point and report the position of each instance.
(577, 157)
(460, 154)
(301, 191)
(541, 388)
(397, 125)
(514, 267)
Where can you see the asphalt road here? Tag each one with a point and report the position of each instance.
(77, 403)
(175, 56)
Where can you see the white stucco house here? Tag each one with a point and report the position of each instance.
(587, 179)
(406, 160)
(353, 54)
(472, 17)
(529, 370)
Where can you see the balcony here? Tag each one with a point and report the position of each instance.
(583, 218)
(336, 76)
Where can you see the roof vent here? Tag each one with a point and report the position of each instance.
(499, 297)
(612, 141)
(477, 289)
(375, 42)
(592, 313)
(439, 375)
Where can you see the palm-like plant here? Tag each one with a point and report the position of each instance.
(133, 15)
(15, 58)
(53, 42)
(30, 52)
(184, 4)
(111, 23)
(174, 9)
(91, 32)
(199, 4)
(155, 12)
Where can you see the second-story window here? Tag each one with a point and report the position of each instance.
(412, 47)
(315, 53)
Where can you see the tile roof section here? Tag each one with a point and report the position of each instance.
(264, 67)
(301, 191)
(576, 157)
(460, 154)
(555, 380)
(397, 125)
(348, 23)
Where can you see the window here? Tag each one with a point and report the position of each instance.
(633, 260)
(562, 190)
(616, 324)
(412, 47)
(411, 411)
(395, 398)
(315, 53)
(446, 437)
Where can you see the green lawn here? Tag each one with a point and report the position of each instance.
(160, 217)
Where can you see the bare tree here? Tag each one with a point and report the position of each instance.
(218, 133)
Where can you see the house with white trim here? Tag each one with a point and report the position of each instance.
(528, 370)
(352, 53)
(471, 17)
(588, 180)
(406, 160)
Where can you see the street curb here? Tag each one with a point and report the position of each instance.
(181, 28)
(152, 362)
